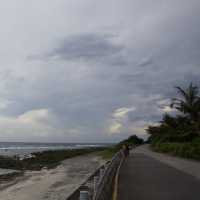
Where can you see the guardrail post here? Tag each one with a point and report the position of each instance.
(84, 195)
(96, 180)
(101, 173)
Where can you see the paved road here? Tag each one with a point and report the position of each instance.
(144, 178)
(188, 166)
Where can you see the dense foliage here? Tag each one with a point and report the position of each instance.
(132, 140)
(180, 134)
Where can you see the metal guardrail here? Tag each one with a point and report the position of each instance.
(84, 186)
(100, 185)
(104, 190)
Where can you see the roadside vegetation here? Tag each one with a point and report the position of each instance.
(47, 159)
(110, 151)
(52, 158)
(179, 134)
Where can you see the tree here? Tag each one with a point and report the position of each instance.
(188, 103)
(169, 121)
(132, 140)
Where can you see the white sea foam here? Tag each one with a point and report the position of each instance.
(21, 149)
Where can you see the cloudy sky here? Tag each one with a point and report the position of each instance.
(93, 71)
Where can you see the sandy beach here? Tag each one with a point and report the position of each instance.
(51, 184)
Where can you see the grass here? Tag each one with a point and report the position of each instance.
(52, 158)
(108, 153)
(186, 150)
(48, 159)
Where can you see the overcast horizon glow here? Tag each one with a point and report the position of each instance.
(93, 71)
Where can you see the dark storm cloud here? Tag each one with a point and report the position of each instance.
(146, 62)
(119, 59)
(88, 47)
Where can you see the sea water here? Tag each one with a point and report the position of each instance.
(24, 148)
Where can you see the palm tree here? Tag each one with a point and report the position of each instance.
(169, 121)
(174, 122)
(188, 103)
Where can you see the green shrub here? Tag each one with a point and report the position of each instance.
(186, 150)
(39, 160)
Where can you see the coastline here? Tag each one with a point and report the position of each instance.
(48, 184)
(43, 159)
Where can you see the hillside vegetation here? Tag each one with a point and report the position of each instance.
(179, 134)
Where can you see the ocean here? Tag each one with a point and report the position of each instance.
(24, 148)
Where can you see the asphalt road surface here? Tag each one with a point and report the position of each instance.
(144, 178)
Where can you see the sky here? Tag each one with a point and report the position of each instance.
(93, 71)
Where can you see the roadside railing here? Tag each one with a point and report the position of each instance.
(100, 185)
(105, 186)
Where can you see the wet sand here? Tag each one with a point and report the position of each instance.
(51, 184)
